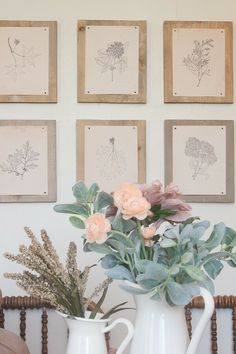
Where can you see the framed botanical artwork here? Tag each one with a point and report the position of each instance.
(112, 61)
(199, 158)
(28, 61)
(198, 61)
(28, 161)
(110, 152)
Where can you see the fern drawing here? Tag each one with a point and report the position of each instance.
(22, 161)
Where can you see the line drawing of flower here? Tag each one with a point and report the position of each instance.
(198, 61)
(21, 161)
(202, 156)
(113, 58)
(111, 162)
(22, 57)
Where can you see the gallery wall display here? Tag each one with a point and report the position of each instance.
(198, 61)
(28, 61)
(199, 158)
(110, 152)
(112, 61)
(28, 161)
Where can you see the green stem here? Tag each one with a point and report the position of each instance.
(142, 240)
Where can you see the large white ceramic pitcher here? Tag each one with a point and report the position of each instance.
(87, 336)
(162, 329)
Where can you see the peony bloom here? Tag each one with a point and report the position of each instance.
(124, 192)
(152, 192)
(171, 191)
(148, 232)
(182, 209)
(96, 228)
(137, 207)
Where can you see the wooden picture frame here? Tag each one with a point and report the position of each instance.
(28, 62)
(199, 158)
(28, 161)
(110, 152)
(198, 62)
(111, 61)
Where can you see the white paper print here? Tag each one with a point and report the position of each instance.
(24, 60)
(111, 155)
(23, 160)
(112, 59)
(198, 62)
(199, 159)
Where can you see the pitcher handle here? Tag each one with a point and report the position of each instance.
(207, 313)
(128, 337)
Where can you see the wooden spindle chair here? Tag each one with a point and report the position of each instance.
(221, 302)
(10, 343)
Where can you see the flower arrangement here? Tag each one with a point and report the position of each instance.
(125, 227)
(63, 287)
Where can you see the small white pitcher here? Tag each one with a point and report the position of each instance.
(87, 336)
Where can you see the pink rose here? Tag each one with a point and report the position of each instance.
(96, 228)
(124, 192)
(137, 207)
(148, 232)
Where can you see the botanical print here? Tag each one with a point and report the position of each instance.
(111, 161)
(22, 57)
(111, 155)
(198, 62)
(24, 60)
(202, 156)
(199, 159)
(21, 161)
(113, 58)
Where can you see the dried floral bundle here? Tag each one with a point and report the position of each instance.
(47, 278)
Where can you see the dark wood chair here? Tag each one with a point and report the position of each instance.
(221, 302)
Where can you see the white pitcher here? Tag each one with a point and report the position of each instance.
(162, 329)
(87, 336)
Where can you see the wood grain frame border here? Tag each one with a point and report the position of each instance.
(51, 148)
(229, 124)
(80, 139)
(52, 85)
(111, 98)
(168, 61)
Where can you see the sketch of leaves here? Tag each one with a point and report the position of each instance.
(21, 161)
(198, 61)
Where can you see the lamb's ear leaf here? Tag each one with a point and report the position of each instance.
(77, 209)
(92, 192)
(77, 222)
(80, 191)
(102, 201)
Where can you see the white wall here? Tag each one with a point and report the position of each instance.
(15, 216)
